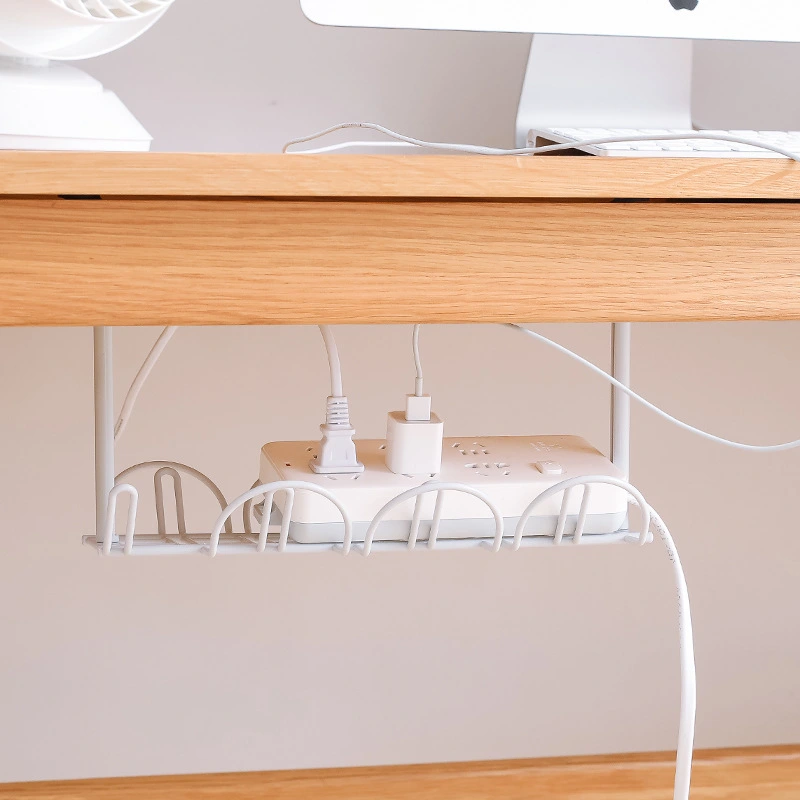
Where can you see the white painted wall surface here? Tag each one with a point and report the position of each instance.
(142, 666)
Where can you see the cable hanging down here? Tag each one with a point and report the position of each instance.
(336, 385)
(755, 448)
(334, 363)
(418, 381)
(141, 378)
(688, 712)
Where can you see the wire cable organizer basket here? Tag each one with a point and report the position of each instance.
(273, 535)
(266, 526)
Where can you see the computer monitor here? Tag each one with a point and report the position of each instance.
(753, 20)
(622, 63)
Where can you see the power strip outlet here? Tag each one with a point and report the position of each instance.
(510, 470)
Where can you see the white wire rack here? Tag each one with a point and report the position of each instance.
(274, 537)
(221, 538)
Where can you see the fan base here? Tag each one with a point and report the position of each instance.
(50, 106)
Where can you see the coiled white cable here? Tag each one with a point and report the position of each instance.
(529, 151)
(754, 448)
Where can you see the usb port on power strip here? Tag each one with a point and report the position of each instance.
(510, 470)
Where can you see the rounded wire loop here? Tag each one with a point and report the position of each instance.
(277, 486)
(433, 534)
(185, 469)
(286, 521)
(263, 532)
(562, 515)
(584, 510)
(586, 480)
(247, 512)
(415, 520)
(177, 487)
(111, 514)
(432, 486)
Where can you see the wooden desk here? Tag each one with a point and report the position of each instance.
(766, 773)
(246, 239)
(254, 239)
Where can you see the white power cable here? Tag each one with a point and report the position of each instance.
(755, 448)
(547, 148)
(139, 381)
(418, 382)
(337, 391)
(349, 145)
(683, 766)
(333, 360)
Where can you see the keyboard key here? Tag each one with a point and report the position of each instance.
(744, 148)
(646, 146)
(595, 133)
(711, 146)
(676, 146)
(569, 133)
(613, 146)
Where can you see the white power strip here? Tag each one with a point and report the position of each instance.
(510, 470)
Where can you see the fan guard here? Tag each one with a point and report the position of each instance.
(113, 9)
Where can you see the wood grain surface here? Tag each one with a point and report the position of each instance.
(392, 176)
(156, 261)
(750, 774)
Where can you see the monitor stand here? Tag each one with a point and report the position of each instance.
(605, 82)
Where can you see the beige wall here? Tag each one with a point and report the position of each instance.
(180, 665)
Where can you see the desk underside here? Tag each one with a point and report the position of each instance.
(219, 261)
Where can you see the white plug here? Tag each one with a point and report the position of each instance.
(337, 450)
(414, 438)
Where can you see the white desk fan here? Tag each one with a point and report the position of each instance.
(52, 106)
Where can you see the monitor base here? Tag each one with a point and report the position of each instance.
(605, 82)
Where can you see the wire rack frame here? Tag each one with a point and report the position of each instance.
(275, 538)
(270, 538)
(109, 487)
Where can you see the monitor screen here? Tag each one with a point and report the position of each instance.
(759, 20)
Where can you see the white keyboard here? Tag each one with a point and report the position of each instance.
(682, 148)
